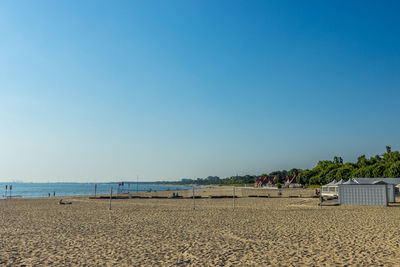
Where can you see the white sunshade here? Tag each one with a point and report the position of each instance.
(350, 181)
(333, 182)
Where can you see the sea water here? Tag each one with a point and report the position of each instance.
(71, 189)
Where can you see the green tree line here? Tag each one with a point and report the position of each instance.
(379, 166)
(386, 165)
(214, 180)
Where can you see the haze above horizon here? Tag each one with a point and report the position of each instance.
(94, 91)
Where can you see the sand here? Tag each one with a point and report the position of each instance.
(168, 232)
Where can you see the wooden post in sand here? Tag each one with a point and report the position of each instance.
(194, 199)
(234, 201)
(110, 196)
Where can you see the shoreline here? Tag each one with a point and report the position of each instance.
(19, 193)
(205, 192)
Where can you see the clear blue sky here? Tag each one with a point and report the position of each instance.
(108, 90)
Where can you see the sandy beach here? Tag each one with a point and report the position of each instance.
(168, 232)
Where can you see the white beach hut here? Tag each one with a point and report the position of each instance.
(362, 191)
(353, 193)
(367, 191)
(389, 182)
(331, 189)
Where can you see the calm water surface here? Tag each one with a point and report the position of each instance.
(71, 189)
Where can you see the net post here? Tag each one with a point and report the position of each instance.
(234, 198)
(194, 200)
(110, 196)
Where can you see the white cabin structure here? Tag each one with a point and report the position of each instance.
(363, 191)
(331, 189)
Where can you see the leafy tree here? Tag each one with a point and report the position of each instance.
(393, 171)
(277, 179)
(344, 172)
(292, 171)
(378, 170)
(315, 180)
(337, 160)
(304, 177)
(362, 161)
